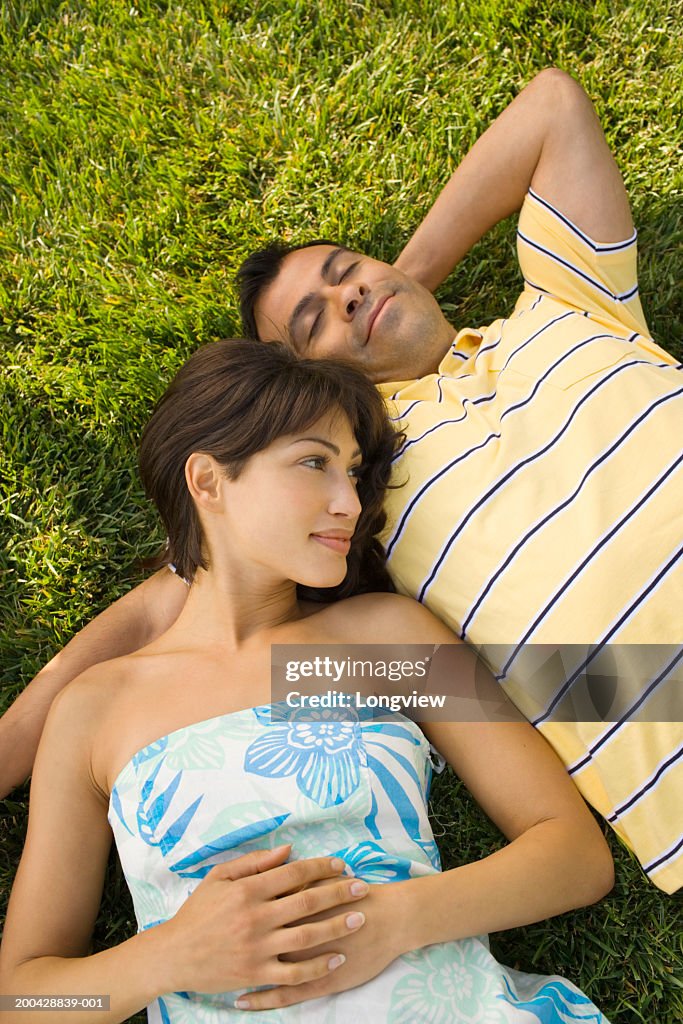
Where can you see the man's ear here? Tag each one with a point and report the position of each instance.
(204, 477)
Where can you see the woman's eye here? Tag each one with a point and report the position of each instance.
(315, 461)
(356, 472)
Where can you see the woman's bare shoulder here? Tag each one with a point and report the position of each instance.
(386, 618)
(83, 708)
(94, 689)
(90, 712)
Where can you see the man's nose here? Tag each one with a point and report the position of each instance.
(349, 298)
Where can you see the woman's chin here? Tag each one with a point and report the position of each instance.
(322, 580)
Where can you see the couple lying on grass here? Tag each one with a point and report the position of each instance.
(268, 473)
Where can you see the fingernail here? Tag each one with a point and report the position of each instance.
(355, 920)
(242, 1004)
(358, 888)
(336, 961)
(337, 864)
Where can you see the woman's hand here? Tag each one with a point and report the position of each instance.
(250, 911)
(368, 952)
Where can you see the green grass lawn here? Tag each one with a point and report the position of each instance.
(147, 147)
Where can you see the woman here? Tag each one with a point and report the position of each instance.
(249, 837)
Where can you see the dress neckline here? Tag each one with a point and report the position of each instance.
(234, 714)
(175, 732)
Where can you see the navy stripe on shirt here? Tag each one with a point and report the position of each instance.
(595, 246)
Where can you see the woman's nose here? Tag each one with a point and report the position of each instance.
(345, 500)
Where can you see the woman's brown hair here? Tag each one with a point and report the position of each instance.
(232, 399)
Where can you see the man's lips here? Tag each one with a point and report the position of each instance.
(374, 313)
(339, 542)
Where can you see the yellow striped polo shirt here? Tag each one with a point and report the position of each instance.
(541, 517)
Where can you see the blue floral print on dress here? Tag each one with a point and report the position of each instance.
(323, 749)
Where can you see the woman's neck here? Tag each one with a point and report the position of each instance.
(234, 611)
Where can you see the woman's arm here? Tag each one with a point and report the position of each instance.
(131, 622)
(229, 934)
(58, 885)
(556, 859)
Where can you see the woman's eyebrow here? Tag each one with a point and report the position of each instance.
(326, 444)
(302, 304)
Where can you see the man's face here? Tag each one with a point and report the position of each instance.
(329, 302)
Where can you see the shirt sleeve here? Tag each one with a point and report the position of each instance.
(559, 259)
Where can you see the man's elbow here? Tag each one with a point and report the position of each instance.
(603, 877)
(561, 93)
(595, 867)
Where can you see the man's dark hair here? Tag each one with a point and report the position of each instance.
(234, 398)
(260, 270)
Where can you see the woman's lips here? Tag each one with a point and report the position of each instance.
(341, 545)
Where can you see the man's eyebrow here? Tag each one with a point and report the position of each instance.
(326, 444)
(327, 265)
(303, 303)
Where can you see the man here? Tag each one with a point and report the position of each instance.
(540, 512)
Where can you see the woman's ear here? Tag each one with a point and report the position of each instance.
(204, 477)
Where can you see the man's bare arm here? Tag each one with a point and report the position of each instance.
(130, 623)
(549, 138)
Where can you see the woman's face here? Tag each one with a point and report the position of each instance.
(293, 510)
